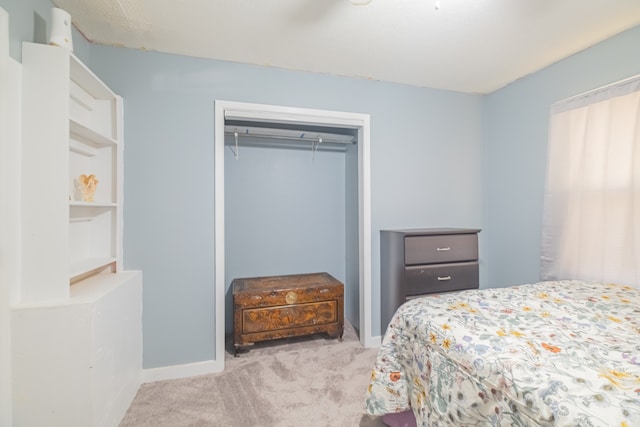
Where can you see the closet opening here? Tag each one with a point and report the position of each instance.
(291, 197)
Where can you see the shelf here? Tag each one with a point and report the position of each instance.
(88, 211)
(81, 134)
(78, 204)
(86, 79)
(88, 265)
(82, 148)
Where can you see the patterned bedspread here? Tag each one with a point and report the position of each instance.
(563, 353)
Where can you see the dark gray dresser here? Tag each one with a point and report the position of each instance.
(425, 261)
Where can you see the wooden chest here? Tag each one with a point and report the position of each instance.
(267, 308)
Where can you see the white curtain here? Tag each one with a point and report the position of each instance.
(591, 224)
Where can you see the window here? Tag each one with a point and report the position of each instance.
(591, 225)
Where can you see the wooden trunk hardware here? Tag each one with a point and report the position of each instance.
(268, 308)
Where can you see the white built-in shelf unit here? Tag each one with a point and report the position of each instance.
(72, 126)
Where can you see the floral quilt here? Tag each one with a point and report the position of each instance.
(560, 353)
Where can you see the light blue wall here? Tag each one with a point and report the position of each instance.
(516, 135)
(426, 166)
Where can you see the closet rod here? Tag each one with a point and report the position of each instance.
(307, 138)
(289, 134)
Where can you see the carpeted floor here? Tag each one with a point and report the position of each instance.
(311, 382)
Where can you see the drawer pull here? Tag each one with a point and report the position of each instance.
(443, 249)
(443, 278)
(291, 298)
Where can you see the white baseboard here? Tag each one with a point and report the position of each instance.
(209, 367)
(182, 371)
(373, 342)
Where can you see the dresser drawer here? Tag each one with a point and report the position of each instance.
(440, 248)
(423, 279)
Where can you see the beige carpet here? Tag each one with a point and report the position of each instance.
(311, 382)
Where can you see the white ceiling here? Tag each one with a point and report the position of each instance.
(474, 46)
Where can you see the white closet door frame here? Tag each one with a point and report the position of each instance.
(279, 114)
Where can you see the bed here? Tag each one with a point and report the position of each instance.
(558, 353)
